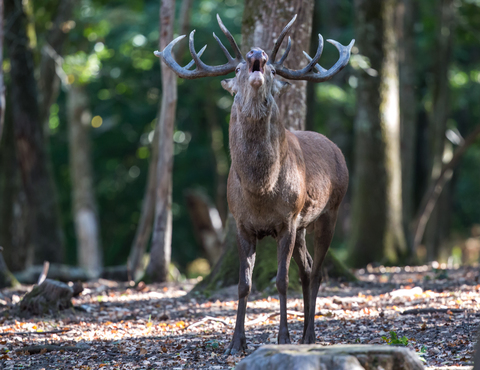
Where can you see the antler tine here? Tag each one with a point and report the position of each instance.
(192, 62)
(287, 50)
(323, 74)
(238, 53)
(202, 70)
(195, 57)
(318, 67)
(279, 40)
(224, 49)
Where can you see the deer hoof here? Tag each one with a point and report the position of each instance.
(237, 345)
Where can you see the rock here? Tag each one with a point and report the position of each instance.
(337, 357)
(47, 298)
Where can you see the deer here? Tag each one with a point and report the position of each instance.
(281, 183)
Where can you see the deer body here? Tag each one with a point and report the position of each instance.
(278, 177)
(281, 183)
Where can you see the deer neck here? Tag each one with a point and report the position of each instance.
(257, 143)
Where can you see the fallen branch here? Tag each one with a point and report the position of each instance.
(47, 348)
(36, 332)
(253, 322)
(266, 317)
(422, 311)
(208, 318)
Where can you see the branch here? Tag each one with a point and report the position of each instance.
(433, 193)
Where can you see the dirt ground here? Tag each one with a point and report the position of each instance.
(117, 326)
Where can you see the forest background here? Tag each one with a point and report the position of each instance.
(90, 86)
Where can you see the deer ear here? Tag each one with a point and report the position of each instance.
(279, 87)
(230, 85)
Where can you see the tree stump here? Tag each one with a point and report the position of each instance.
(337, 357)
(47, 298)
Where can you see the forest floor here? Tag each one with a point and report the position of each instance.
(117, 326)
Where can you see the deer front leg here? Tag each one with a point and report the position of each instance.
(285, 248)
(304, 263)
(246, 253)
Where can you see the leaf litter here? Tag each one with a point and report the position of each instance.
(160, 326)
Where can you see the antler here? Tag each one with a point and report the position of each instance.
(202, 70)
(307, 73)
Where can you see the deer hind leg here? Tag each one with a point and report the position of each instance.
(246, 253)
(304, 262)
(285, 247)
(324, 229)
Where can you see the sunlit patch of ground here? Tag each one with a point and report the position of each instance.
(117, 327)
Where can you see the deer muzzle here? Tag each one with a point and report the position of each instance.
(256, 59)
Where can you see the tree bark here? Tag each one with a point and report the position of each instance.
(157, 269)
(50, 63)
(261, 25)
(6, 277)
(377, 231)
(438, 118)
(408, 112)
(83, 194)
(46, 233)
(14, 230)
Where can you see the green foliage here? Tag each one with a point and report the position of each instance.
(394, 340)
(110, 50)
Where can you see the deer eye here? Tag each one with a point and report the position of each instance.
(273, 72)
(237, 70)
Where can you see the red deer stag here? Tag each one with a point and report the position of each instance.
(281, 183)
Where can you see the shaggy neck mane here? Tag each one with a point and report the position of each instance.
(255, 104)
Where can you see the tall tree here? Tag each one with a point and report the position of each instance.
(144, 227)
(261, 25)
(377, 231)
(157, 269)
(2, 85)
(85, 212)
(436, 230)
(408, 112)
(46, 233)
(6, 278)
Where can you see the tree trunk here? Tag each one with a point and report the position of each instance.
(14, 230)
(48, 80)
(144, 228)
(438, 118)
(157, 269)
(2, 85)
(84, 204)
(6, 277)
(377, 230)
(46, 233)
(408, 112)
(261, 25)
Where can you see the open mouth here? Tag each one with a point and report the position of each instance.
(257, 66)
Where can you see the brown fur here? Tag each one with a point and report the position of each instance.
(280, 183)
